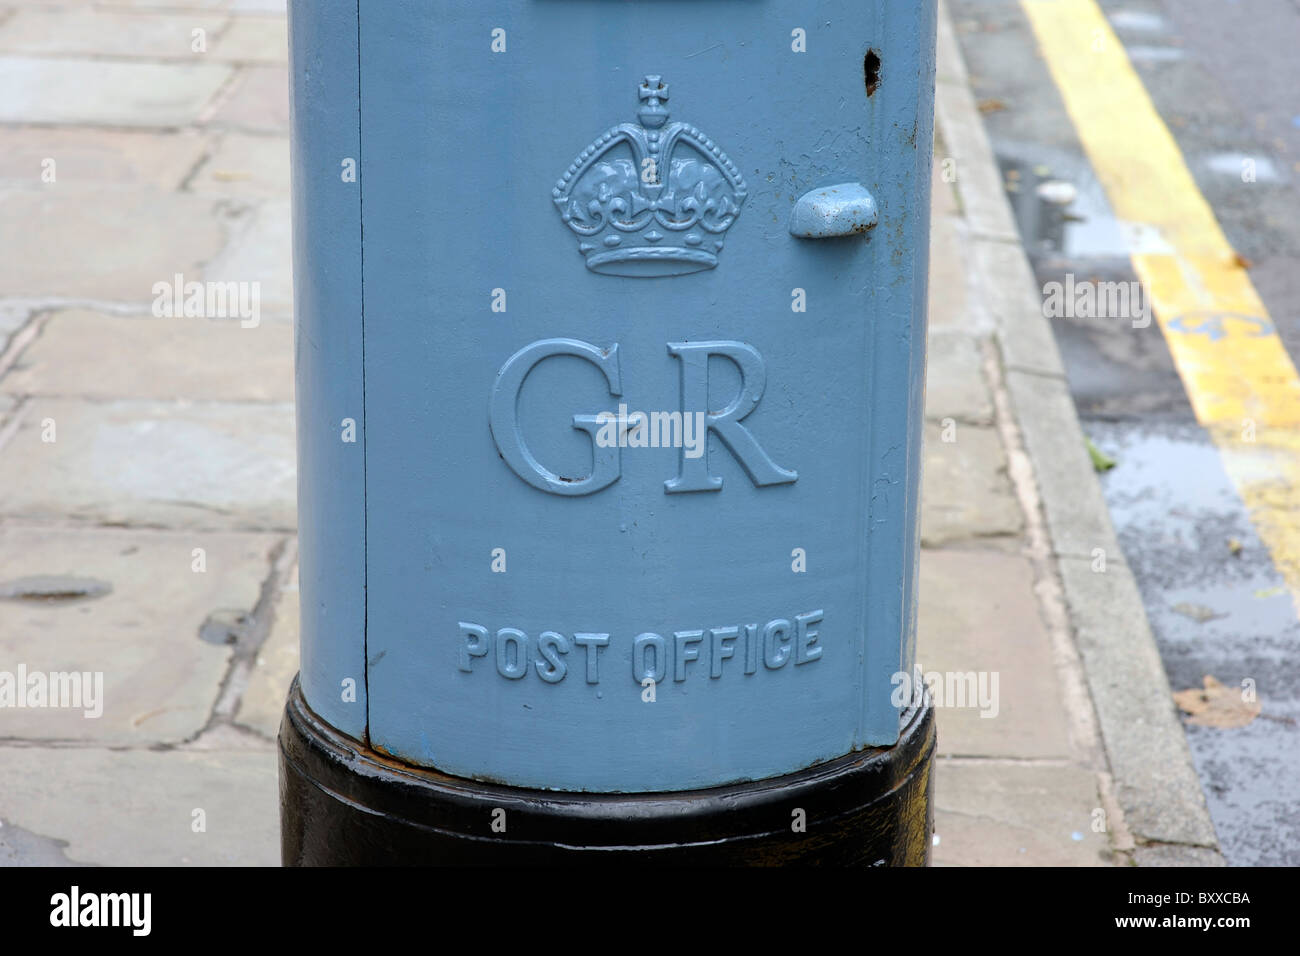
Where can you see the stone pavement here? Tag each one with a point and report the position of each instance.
(147, 471)
(1019, 780)
(153, 454)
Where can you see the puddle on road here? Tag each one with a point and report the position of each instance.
(1084, 228)
(1188, 536)
(1072, 238)
(1191, 546)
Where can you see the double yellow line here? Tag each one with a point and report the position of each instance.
(1242, 384)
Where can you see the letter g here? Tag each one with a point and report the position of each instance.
(503, 418)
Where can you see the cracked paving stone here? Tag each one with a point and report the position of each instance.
(159, 679)
(259, 101)
(171, 358)
(277, 661)
(97, 157)
(246, 167)
(262, 253)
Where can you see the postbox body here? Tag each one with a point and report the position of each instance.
(625, 303)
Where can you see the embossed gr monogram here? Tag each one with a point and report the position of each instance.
(607, 466)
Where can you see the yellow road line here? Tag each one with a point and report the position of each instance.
(1241, 382)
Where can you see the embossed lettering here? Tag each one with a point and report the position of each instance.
(776, 643)
(550, 648)
(476, 644)
(684, 650)
(514, 652)
(504, 418)
(642, 647)
(609, 433)
(719, 649)
(806, 646)
(592, 644)
(751, 648)
(512, 664)
(693, 473)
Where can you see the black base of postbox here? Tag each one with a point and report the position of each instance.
(342, 804)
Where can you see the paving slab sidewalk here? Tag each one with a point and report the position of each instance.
(1085, 762)
(169, 476)
(147, 510)
(1020, 775)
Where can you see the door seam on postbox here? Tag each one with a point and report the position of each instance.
(365, 444)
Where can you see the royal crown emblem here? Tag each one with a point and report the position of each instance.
(650, 199)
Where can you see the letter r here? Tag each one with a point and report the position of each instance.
(693, 473)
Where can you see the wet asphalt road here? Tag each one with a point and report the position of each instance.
(1225, 77)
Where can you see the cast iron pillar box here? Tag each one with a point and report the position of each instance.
(610, 365)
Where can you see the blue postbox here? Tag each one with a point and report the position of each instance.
(610, 352)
